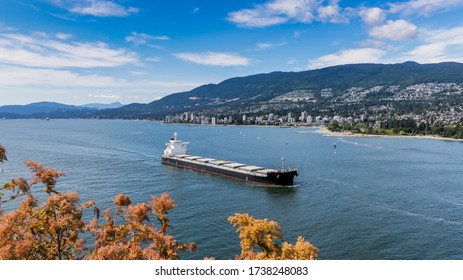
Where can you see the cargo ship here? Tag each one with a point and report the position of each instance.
(176, 154)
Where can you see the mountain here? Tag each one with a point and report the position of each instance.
(53, 110)
(101, 106)
(39, 107)
(41, 110)
(335, 90)
(245, 92)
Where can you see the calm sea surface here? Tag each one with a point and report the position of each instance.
(370, 198)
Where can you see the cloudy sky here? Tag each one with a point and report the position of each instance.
(85, 51)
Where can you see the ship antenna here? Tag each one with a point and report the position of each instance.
(175, 136)
(283, 162)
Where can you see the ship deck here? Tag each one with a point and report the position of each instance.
(227, 165)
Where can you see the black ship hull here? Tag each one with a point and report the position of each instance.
(279, 177)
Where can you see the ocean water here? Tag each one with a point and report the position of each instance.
(370, 198)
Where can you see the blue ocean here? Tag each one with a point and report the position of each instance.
(368, 198)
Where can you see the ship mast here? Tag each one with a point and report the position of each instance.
(283, 163)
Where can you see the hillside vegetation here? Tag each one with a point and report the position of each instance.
(241, 94)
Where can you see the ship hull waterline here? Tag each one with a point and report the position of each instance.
(272, 179)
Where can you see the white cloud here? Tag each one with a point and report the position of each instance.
(162, 38)
(98, 8)
(275, 12)
(23, 85)
(331, 13)
(300, 10)
(155, 46)
(264, 46)
(394, 30)
(4, 27)
(63, 36)
(137, 73)
(214, 59)
(24, 50)
(452, 36)
(291, 61)
(40, 34)
(143, 38)
(153, 59)
(297, 34)
(255, 18)
(423, 7)
(24, 76)
(433, 46)
(106, 96)
(348, 56)
(438, 45)
(428, 53)
(378, 44)
(51, 66)
(372, 16)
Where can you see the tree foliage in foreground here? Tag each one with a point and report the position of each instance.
(123, 234)
(52, 229)
(2, 154)
(266, 236)
(41, 231)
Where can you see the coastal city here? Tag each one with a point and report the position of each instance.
(425, 104)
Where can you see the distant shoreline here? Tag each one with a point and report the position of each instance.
(328, 133)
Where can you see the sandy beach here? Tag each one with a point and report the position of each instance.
(323, 130)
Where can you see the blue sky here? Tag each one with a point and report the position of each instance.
(85, 51)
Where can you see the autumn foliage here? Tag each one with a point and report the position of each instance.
(46, 231)
(263, 240)
(2, 154)
(124, 233)
(53, 229)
